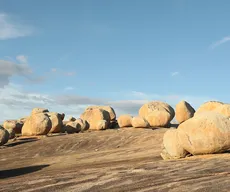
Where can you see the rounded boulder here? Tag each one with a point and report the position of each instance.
(139, 122)
(94, 115)
(109, 109)
(206, 133)
(125, 121)
(184, 111)
(37, 124)
(171, 146)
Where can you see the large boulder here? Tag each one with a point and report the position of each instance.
(13, 124)
(4, 136)
(159, 118)
(56, 121)
(93, 116)
(109, 109)
(208, 106)
(37, 124)
(171, 146)
(223, 109)
(139, 122)
(39, 110)
(157, 113)
(125, 121)
(184, 111)
(206, 133)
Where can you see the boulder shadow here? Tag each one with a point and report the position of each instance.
(20, 141)
(20, 171)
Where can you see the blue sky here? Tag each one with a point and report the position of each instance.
(122, 53)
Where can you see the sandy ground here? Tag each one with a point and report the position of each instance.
(112, 160)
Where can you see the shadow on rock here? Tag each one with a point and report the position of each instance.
(20, 171)
(19, 142)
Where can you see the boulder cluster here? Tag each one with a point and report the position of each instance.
(204, 131)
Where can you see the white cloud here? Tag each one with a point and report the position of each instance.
(175, 73)
(220, 42)
(16, 102)
(69, 88)
(22, 59)
(9, 69)
(10, 28)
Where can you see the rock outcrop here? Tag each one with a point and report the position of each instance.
(93, 115)
(37, 124)
(206, 133)
(171, 146)
(109, 109)
(184, 111)
(157, 113)
(125, 121)
(139, 122)
(56, 121)
(208, 106)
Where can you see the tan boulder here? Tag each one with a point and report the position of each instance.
(208, 106)
(208, 132)
(109, 109)
(94, 115)
(171, 146)
(72, 127)
(159, 118)
(223, 109)
(157, 113)
(4, 136)
(184, 111)
(84, 125)
(13, 124)
(139, 122)
(56, 121)
(39, 110)
(125, 121)
(101, 125)
(37, 124)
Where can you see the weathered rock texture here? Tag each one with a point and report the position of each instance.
(206, 133)
(37, 124)
(157, 113)
(171, 146)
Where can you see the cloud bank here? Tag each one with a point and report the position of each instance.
(10, 29)
(16, 102)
